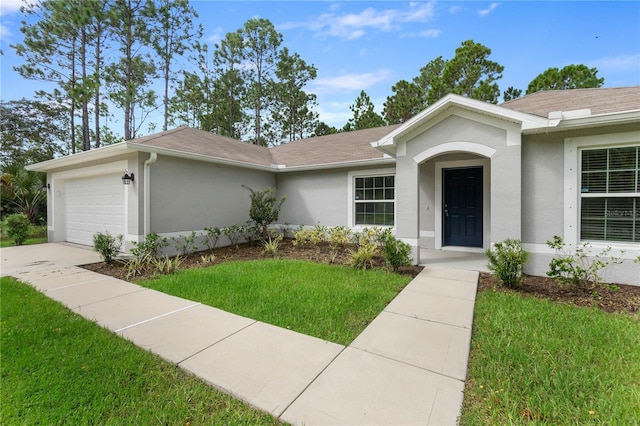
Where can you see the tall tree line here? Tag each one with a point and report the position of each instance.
(105, 52)
(251, 89)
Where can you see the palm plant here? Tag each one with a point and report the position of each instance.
(22, 192)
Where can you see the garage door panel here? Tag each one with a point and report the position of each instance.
(94, 204)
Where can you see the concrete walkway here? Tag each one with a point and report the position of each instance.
(407, 367)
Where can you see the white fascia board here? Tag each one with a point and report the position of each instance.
(452, 101)
(82, 157)
(386, 161)
(610, 119)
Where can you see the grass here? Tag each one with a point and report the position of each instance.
(330, 302)
(36, 235)
(28, 241)
(538, 362)
(58, 368)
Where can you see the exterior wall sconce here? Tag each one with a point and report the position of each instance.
(127, 178)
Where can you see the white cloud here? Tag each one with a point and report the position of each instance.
(10, 6)
(619, 63)
(491, 8)
(4, 32)
(348, 82)
(355, 25)
(455, 9)
(334, 113)
(425, 34)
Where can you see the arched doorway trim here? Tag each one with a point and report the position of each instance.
(470, 147)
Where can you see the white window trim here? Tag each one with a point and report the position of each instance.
(350, 194)
(572, 193)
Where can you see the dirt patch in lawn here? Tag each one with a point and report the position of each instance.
(618, 298)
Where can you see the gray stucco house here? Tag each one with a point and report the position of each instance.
(461, 175)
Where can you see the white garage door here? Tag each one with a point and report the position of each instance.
(94, 204)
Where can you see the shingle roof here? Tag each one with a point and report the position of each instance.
(356, 146)
(599, 101)
(331, 149)
(194, 141)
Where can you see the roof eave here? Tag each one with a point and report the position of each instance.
(81, 157)
(601, 120)
(385, 161)
(202, 157)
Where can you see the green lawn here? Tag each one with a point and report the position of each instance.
(36, 240)
(58, 368)
(331, 302)
(538, 362)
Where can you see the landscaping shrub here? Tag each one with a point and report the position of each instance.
(17, 226)
(167, 265)
(578, 269)
(250, 232)
(301, 236)
(368, 236)
(317, 235)
(150, 247)
(212, 237)
(107, 245)
(233, 233)
(339, 236)
(363, 257)
(396, 253)
(507, 260)
(265, 209)
(186, 244)
(272, 246)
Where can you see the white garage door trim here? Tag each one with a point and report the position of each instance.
(94, 204)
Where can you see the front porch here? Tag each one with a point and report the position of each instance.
(472, 261)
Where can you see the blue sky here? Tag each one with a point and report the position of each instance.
(370, 45)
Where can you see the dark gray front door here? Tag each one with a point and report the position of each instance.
(462, 207)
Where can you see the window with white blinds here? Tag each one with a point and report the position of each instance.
(610, 194)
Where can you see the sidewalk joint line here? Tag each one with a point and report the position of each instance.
(156, 317)
(409, 364)
(77, 284)
(216, 342)
(428, 320)
(312, 381)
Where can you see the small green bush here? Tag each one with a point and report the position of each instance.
(17, 226)
(272, 246)
(212, 237)
(265, 209)
(233, 233)
(167, 265)
(107, 245)
(396, 253)
(339, 236)
(507, 260)
(185, 244)
(150, 248)
(582, 268)
(363, 257)
(301, 236)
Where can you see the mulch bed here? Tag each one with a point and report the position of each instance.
(618, 298)
(609, 298)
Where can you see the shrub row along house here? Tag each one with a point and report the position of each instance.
(460, 175)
